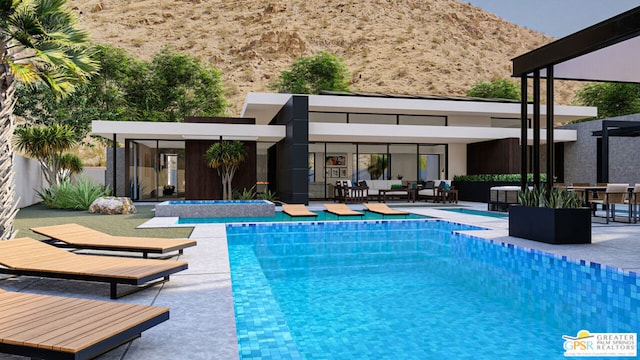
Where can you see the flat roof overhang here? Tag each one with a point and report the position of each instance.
(375, 133)
(265, 106)
(606, 51)
(186, 131)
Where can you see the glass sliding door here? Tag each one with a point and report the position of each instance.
(156, 170)
(431, 162)
(372, 162)
(170, 170)
(403, 159)
(143, 172)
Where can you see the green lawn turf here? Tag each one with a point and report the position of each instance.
(118, 225)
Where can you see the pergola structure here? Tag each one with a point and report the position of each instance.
(606, 51)
(618, 129)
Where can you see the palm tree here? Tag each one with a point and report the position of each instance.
(39, 42)
(225, 156)
(377, 166)
(47, 145)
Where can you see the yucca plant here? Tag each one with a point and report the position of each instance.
(556, 198)
(67, 195)
(269, 196)
(246, 194)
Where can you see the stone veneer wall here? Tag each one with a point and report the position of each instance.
(581, 157)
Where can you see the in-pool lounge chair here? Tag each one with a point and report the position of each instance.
(54, 327)
(297, 210)
(81, 237)
(341, 210)
(29, 257)
(384, 209)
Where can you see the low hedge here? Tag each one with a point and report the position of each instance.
(497, 178)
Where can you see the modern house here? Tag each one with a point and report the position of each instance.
(300, 145)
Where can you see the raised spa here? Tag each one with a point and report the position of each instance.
(215, 208)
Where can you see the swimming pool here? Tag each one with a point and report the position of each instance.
(279, 216)
(477, 212)
(413, 290)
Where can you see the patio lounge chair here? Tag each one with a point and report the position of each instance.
(614, 194)
(384, 209)
(634, 202)
(54, 327)
(341, 210)
(81, 237)
(29, 257)
(297, 210)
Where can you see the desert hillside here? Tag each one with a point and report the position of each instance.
(438, 47)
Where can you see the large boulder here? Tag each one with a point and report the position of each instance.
(112, 205)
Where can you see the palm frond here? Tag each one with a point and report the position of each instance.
(25, 73)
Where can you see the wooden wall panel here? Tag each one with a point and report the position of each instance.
(203, 182)
(500, 156)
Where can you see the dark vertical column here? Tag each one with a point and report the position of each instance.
(536, 128)
(550, 116)
(298, 134)
(604, 154)
(293, 151)
(115, 165)
(523, 131)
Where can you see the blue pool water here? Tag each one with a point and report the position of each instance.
(477, 212)
(413, 290)
(280, 217)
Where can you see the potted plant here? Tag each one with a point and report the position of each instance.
(168, 189)
(557, 217)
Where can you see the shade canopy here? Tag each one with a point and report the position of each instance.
(606, 51)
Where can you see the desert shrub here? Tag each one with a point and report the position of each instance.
(78, 196)
(496, 89)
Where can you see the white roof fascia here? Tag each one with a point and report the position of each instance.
(265, 106)
(359, 104)
(182, 131)
(332, 132)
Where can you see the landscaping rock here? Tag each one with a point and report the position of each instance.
(110, 205)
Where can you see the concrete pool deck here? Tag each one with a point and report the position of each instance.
(202, 324)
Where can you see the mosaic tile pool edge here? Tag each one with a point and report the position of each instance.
(589, 290)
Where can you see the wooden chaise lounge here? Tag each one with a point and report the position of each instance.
(81, 237)
(384, 209)
(54, 327)
(341, 210)
(29, 257)
(297, 210)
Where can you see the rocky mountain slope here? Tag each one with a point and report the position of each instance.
(438, 47)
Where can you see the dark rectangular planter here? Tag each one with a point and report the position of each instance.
(553, 226)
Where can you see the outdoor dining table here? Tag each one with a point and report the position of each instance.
(587, 190)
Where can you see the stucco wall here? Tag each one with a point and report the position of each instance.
(457, 160)
(28, 179)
